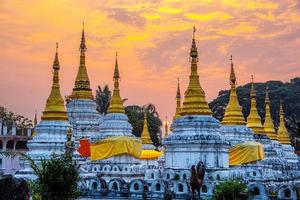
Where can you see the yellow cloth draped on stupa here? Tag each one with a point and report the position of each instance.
(245, 153)
(114, 146)
(194, 97)
(148, 154)
(233, 112)
(55, 108)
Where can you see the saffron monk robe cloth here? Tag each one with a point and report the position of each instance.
(84, 147)
(150, 154)
(245, 153)
(114, 146)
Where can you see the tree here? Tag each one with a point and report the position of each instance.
(230, 190)
(102, 99)
(135, 115)
(57, 178)
(11, 118)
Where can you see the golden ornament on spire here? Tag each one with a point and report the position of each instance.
(116, 103)
(233, 112)
(82, 88)
(268, 124)
(145, 136)
(194, 97)
(55, 108)
(178, 102)
(254, 120)
(283, 136)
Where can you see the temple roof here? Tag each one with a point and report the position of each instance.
(178, 102)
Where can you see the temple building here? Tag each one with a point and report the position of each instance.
(119, 165)
(51, 131)
(81, 105)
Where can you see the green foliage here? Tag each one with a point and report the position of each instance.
(102, 99)
(136, 119)
(288, 92)
(57, 178)
(230, 190)
(10, 118)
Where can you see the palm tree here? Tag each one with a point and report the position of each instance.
(103, 99)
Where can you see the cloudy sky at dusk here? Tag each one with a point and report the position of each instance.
(152, 38)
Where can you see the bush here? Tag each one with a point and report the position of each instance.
(230, 190)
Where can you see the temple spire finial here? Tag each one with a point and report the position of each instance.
(233, 112)
(194, 31)
(82, 43)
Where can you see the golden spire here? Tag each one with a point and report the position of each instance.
(254, 120)
(178, 102)
(116, 103)
(145, 136)
(283, 136)
(82, 88)
(233, 113)
(268, 124)
(194, 97)
(35, 120)
(55, 108)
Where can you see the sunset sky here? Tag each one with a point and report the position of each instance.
(152, 39)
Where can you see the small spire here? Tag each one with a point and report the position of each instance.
(35, 119)
(268, 124)
(283, 136)
(116, 102)
(178, 101)
(178, 95)
(254, 120)
(145, 136)
(233, 112)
